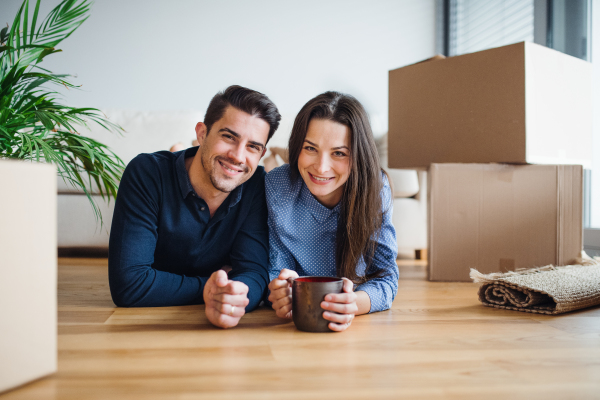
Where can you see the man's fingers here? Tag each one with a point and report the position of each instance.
(220, 278)
(232, 287)
(238, 300)
(231, 310)
(221, 320)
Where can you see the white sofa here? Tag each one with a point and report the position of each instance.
(79, 232)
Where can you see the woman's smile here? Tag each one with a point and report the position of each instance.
(319, 180)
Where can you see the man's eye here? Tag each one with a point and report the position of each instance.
(254, 148)
(228, 136)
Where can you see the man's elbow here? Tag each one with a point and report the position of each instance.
(122, 299)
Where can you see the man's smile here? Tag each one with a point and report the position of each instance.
(230, 168)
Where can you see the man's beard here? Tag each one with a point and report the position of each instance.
(223, 184)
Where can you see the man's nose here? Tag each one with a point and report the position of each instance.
(236, 153)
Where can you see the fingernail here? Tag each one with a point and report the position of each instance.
(328, 298)
(324, 304)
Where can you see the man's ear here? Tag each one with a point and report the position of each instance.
(200, 132)
(263, 153)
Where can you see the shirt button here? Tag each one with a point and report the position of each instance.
(201, 208)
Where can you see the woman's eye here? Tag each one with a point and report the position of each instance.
(339, 154)
(309, 148)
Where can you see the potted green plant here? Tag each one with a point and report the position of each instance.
(34, 124)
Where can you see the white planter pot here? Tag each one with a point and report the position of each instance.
(28, 305)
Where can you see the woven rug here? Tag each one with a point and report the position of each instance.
(545, 290)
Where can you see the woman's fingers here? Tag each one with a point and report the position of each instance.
(278, 284)
(341, 298)
(285, 274)
(338, 318)
(278, 294)
(338, 327)
(340, 308)
(348, 286)
(284, 312)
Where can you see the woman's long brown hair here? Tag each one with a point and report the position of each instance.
(361, 209)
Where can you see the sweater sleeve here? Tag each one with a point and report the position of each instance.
(383, 290)
(250, 251)
(133, 282)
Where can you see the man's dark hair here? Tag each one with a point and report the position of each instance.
(246, 100)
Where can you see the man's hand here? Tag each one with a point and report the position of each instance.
(281, 293)
(225, 300)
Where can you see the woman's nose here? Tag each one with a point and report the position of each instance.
(322, 164)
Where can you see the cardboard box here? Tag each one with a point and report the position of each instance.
(27, 272)
(500, 217)
(522, 103)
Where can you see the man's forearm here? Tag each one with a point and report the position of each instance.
(256, 283)
(143, 286)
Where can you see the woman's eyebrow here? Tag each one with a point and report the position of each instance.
(333, 148)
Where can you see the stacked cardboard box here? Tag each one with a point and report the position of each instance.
(478, 122)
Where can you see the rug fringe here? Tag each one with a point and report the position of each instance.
(584, 260)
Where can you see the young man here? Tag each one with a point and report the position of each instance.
(182, 219)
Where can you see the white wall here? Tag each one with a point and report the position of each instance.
(168, 55)
(596, 91)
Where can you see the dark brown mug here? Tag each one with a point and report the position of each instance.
(307, 294)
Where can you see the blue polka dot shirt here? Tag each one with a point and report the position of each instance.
(302, 235)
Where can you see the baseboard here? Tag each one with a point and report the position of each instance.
(86, 252)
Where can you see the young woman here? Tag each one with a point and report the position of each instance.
(330, 212)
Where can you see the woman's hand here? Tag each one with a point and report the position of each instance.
(340, 308)
(281, 293)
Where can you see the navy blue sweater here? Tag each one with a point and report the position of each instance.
(163, 244)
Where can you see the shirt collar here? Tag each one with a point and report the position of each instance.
(185, 185)
(318, 210)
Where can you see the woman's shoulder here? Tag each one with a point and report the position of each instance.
(279, 176)
(280, 185)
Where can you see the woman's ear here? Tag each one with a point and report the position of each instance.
(200, 132)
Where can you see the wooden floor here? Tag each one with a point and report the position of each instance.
(436, 342)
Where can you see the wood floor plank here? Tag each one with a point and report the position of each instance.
(436, 342)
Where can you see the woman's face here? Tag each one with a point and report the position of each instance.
(324, 161)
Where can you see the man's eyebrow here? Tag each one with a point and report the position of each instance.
(237, 135)
(333, 148)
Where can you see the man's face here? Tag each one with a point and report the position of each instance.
(230, 152)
